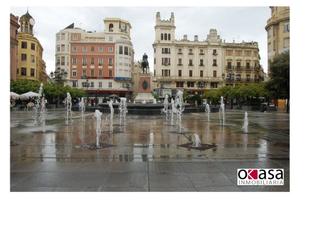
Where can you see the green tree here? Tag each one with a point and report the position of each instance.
(279, 83)
(54, 93)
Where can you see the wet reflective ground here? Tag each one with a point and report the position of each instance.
(146, 152)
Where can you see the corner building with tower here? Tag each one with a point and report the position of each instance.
(101, 63)
(30, 63)
(197, 65)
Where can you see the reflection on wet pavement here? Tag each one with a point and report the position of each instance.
(149, 140)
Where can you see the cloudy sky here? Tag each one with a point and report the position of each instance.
(232, 23)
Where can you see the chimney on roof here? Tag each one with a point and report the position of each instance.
(158, 15)
(172, 17)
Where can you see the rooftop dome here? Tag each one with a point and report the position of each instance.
(26, 16)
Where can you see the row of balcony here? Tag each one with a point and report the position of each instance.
(83, 64)
(190, 53)
(207, 78)
(243, 80)
(190, 65)
(242, 68)
(95, 77)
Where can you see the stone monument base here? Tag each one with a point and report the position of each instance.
(144, 98)
(144, 94)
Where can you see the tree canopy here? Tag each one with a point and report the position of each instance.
(279, 83)
(240, 92)
(50, 90)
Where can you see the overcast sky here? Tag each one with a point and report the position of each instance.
(232, 23)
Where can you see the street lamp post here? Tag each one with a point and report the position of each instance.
(58, 77)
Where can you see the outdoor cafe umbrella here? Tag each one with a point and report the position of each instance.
(14, 95)
(29, 95)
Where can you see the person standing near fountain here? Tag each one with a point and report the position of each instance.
(246, 123)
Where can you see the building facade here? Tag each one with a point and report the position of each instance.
(13, 45)
(197, 65)
(30, 64)
(278, 31)
(101, 63)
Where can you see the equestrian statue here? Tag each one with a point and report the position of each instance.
(145, 64)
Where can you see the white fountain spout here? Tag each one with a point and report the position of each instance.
(246, 123)
(111, 108)
(98, 116)
(196, 140)
(82, 105)
(151, 138)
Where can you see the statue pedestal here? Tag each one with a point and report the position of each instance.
(144, 94)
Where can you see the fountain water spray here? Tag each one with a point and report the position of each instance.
(173, 111)
(37, 106)
(179, 107)
(151, 139)
(196, 141)
(43, 113)
(122, 109)
(68, 104)
(82, 106)
(246, 122)
(111, 108)
(165, 106)
(98, 116)
(222, 110)
(207, 110)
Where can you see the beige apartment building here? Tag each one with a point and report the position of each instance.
(196, 65)
(278, 31)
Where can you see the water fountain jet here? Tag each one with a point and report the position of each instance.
(246, 122)
(98, 116)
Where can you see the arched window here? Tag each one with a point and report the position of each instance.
(161, 37)
(165, 36)
(169, 37)
(111, 27)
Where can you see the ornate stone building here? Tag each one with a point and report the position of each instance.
(278, 31)
(197, 65)
(30, 52)
(13, 45)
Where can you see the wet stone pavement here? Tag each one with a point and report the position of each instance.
(144, 153)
